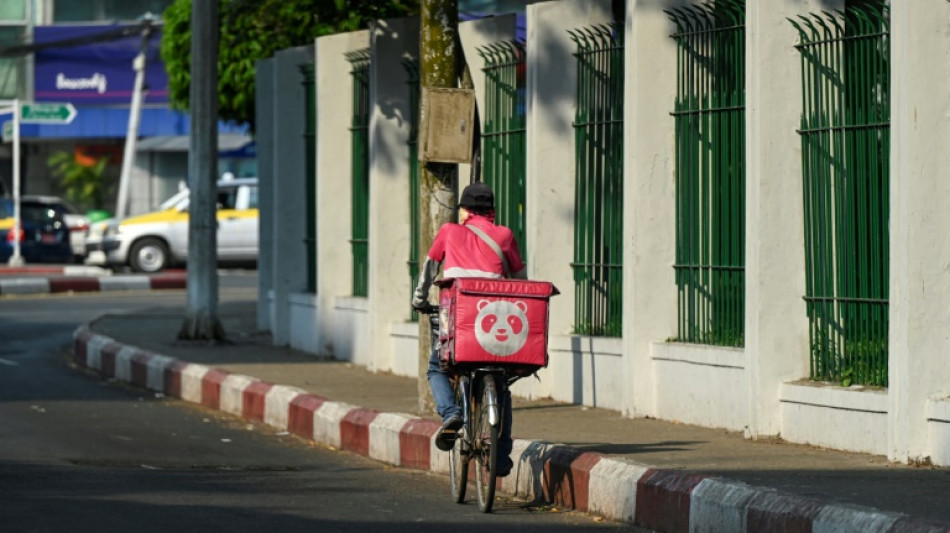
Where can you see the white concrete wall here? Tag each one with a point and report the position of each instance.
(700, 384)
(851, 418)
(919, 247)
(759, 388)
(389, 126)
(649, 313)
(551, 93)
(334, 196)
(582, 370)
(938, 421)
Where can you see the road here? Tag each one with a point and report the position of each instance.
(81, 454)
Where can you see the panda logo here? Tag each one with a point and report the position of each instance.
(501, 326)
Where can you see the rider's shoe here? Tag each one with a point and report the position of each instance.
(504, 466)
(445, 438)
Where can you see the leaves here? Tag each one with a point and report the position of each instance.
(84, 185)
(256, 29)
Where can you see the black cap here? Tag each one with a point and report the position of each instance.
(477, 196)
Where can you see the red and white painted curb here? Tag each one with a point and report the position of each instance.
(65, 284)
(617, 489)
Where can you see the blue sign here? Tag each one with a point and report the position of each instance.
(96, 73)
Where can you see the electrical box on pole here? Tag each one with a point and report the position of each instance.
(447, 117)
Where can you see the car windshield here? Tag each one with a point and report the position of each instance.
(6, 208)
(174, 200)
(37, 213)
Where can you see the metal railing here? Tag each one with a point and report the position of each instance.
(845, 156)
(359, 135)
(412, 69)
(503, 142)
(598, 202)
(709, 116)
(310, 179)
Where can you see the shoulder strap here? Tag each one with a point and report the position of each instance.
(493, 245)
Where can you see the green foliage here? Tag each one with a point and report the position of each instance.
(84, 185)
(256, 29)
(856, 362)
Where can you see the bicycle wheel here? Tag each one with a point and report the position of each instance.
(485, 447)
(459, 456)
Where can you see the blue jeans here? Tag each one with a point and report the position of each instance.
(445, 405)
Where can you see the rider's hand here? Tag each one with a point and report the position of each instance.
(419, 302)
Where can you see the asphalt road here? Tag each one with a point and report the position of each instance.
(81, 454)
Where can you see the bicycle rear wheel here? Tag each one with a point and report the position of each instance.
(485, 446)
(459, 456)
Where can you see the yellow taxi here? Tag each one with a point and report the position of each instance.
(154, 241)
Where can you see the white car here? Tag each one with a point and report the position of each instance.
(157, 240)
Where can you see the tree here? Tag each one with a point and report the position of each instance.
(255, 29)
(438, 68)
(84, 183)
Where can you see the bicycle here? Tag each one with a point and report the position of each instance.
(491, 333)
(477, 394)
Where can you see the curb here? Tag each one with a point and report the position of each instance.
(68, 270)
(617, 489)
(91, 284)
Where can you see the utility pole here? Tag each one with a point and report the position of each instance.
(201, 318)
(438, 62)
(135, 114)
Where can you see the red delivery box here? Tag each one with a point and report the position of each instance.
(488, 321)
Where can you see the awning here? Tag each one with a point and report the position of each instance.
(227, 142)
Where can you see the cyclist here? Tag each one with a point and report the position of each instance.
(462, 252)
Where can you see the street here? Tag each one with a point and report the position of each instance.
(83, 454)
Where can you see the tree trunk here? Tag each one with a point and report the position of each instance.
(201, 316)
(438, 49)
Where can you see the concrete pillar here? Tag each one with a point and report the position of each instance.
(334, 194)
(919, 248)
(551, 85)
(649, 312)
(475, 34)
(776, 325)
(264, 136)
(389, 127)
(289, 269)
(551, 94)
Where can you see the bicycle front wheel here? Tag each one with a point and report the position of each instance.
(459, 456)
(485, 446)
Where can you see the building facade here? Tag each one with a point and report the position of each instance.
(82, 53)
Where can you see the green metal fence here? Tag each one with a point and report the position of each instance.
(359, 134)
(412, 69)
(598, 202)
(310, 189)
(503, 141)
(709, 117)
(845, 155)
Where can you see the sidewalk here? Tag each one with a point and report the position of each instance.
(660, 475)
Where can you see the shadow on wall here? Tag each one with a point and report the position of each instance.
(394, 106)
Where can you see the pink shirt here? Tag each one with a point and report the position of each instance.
(464, 254)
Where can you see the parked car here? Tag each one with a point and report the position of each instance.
(77, 222)
(154, 241)
(44, 233)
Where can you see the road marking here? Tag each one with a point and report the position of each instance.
(8, 362)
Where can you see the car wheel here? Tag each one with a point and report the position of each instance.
(148, 255)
